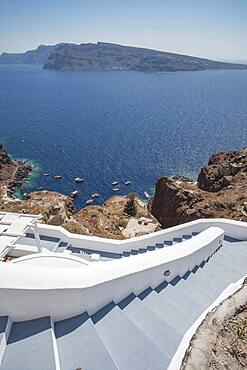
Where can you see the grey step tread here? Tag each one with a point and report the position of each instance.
(127, 344)
(182, 302)
(236, 251)
(166, 311)
(239, 243)
(80, 346)
(161, 333)
(207, 283)
(233, 259)
(226, 262)
(30, 346)
(221, 262)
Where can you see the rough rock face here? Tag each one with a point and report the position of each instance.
(222, 170)
(221, 191)
(110, 220)
(55, 208)
(13, 173)
(7, 167)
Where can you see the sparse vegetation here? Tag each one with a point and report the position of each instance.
(130, 208)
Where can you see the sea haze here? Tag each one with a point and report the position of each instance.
(106, 126)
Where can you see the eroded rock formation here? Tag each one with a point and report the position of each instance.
(220, 191)
(111, 221)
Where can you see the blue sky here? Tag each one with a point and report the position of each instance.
(210, 28)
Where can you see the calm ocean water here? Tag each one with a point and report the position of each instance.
(106, 126)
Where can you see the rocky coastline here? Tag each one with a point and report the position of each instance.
(21, 175)
(220, 191)
(13, 173)
(108, 220)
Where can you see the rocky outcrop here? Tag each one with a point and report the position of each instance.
(223, 169)
(110, 219)
(20, 177)
(7, 167)
(13, 173)
(221, 191)
(55, 208)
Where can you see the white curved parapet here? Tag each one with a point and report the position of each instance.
(30, 291)
(232, 228)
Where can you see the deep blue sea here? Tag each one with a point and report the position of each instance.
(106, 126)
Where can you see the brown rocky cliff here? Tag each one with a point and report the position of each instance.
(223, 169)
(8, 167)
(111, 221)
(221, 191)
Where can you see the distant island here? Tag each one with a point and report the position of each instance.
(38, 56)
(107, 56)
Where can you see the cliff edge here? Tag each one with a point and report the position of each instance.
(220, 191)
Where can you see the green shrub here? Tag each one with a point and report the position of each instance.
(130, 208)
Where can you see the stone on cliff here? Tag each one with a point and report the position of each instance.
(221, 169)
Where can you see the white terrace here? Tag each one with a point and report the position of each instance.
(93, 303)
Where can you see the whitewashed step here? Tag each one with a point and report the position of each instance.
(166, 311)
(80, 346)
(30, 346)
(127, 344)
(161, 333)
(182, 302)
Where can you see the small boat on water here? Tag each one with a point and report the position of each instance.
(146, 194)
(57, 177)
(127, 182)
(89, 201)
(78, 180)
(74, 193)
(46, 174)
(41, 188)
(114, 183)
(95, 195)
(115, 189)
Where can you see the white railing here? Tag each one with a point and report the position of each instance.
(235, 229)
(29, 291)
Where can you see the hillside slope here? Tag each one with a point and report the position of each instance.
(106, 56)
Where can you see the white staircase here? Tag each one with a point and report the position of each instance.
(139, 333)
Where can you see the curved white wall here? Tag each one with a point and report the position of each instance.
(235, 229)
(28, 291)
